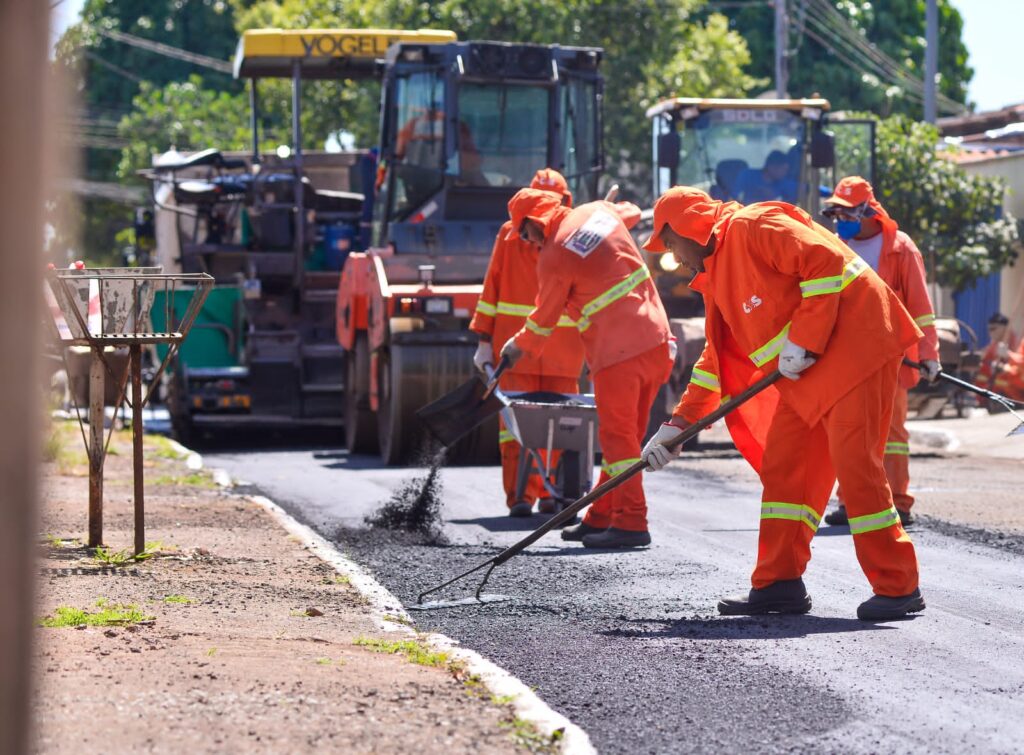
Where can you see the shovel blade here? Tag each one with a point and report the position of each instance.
(1018, 430)
(457, 413)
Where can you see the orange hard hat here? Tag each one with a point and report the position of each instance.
(688, 211)
(549, 179)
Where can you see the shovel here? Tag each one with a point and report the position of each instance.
(1007, 403)
(455, 414)
(570, 511)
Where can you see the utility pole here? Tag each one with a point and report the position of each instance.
(931, 58)
(781, 67)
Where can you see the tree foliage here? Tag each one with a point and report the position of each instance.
(956, 219)
(896, 27)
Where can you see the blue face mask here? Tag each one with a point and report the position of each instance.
(847, 229)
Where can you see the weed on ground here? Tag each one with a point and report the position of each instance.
(108, 615)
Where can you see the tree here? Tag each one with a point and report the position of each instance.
(896, 27)
(956, 219)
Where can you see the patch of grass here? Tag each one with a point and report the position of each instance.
(108, 615)
(162, 447)
(201, 479)
(414, 651)
(182, 599)
(337, 579)
(57, 542)
(397, 619)
(108, 557)
(211, 652)
(525, 735)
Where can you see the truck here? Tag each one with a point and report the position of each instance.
(464, 125)
(345, 280)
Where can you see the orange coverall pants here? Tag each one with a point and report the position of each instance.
(625, 393)
(799, 469)
(510, 448)
(897, 455)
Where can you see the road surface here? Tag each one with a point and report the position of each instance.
(630, 647)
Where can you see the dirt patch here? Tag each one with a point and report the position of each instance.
(231, 636)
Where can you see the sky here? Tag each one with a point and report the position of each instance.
(991, 29)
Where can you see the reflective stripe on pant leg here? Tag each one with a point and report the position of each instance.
(796, 512)
(897, 449)
(871, 522)
(615, 468)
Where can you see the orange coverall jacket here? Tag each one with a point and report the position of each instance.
(901, 266)
(776, 272)
(509, 295)
(590, 268)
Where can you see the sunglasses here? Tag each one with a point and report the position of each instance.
(858, 213)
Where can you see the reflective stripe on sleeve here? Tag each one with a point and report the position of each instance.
(771, 349)
(705, 380)
(486, 308)
(505, 436)
(897, 449)
(616, 468)
(833, 284)
(871, 522)
(612, 295)
(517, 310)
(535, 328)
(567, 322)
(925, 321)
(795, 512)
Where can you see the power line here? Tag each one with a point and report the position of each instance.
(204, 61)
(115, 68)
(832, 22)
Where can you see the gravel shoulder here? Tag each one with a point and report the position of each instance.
(241, 639)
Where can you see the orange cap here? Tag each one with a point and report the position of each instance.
(688, 211)
(535, 204)
(852, 191)
(549, 179)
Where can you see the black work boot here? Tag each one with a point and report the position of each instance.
(521, 509)
(784, 596)
(883, 608)
(547, 506)
(613, 537)
(837, 517)
(906, 518)
(579, 531)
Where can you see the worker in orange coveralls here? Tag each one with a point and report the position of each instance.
(590, 267)
(510, 291)
(782, 291)
(869, 231)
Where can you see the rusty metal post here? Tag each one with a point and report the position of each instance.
(140, 505)
(96, 449)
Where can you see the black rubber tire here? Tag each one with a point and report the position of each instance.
(411, 376)
(360, 422)
(182, 426)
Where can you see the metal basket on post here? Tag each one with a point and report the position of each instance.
(109, 308)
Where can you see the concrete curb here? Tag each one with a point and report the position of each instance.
(933, 438)
(385, 606)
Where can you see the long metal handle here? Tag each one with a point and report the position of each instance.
(991, 395)
(569, 512)
(493, 376)
(634, 469)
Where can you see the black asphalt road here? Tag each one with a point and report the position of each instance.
(630, 647)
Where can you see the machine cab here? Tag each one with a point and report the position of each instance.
(743, 150)
(464, 126)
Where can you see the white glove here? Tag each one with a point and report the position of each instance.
(930, 370)
(1002, 350)
(484, 355)
(655, 453)
(793, 359)
(511, 352)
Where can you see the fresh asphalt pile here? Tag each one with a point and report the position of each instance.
(416, 505)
